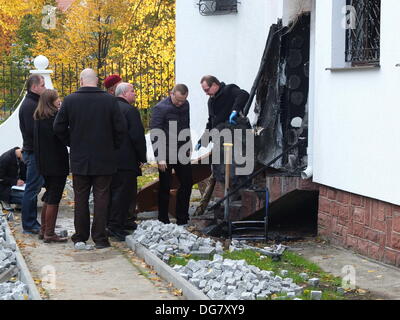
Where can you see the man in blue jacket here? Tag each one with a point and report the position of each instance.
(170, 117)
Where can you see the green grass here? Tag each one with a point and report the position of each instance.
(295, 265)
(290, 261)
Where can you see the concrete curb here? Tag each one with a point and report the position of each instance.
(189, 291)
(24, 274)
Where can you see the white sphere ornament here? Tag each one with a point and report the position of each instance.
(41, 62)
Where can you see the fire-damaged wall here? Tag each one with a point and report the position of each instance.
(282, 95)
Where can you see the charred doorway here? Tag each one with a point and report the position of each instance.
(282, 122)
(282, 97)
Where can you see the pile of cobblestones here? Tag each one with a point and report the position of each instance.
(165, 240)
(226, 279)
(9, 290)
(218, 278)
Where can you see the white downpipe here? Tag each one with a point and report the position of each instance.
(10, 135)
(308, 172)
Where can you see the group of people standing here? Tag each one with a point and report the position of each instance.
(107, 148)
(107, 145)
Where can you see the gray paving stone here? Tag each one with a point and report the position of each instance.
(316, 295)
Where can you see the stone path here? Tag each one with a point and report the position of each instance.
(107, 274)
(380, 279)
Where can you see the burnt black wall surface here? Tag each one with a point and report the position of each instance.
(282, 95)
(296, 57)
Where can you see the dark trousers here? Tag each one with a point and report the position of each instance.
(101, 195)
(123, 194)
(34, 182)
(184, 175)
(54, 189)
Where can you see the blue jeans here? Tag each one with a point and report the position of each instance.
(16, 197)
(34, 182)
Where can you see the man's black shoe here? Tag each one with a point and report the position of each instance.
(132, 226)
(118, 235)
(102, 245)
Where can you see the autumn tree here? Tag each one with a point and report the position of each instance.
(133, 37)
(12, 13)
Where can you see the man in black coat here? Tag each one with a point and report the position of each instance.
(91, 123)
(130, 157)
(170, 135)
(12, 173)
(225, 103)
(34, 181)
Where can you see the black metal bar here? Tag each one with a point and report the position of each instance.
(256, 173)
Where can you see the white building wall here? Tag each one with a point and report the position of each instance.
(357, 113)
(227, 46)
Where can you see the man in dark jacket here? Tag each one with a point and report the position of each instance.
(12, 173)
(91, 123)
(34, 181)
(130, 157)
(170, 124)
(225, 103)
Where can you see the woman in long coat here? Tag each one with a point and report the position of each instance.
(52, 161)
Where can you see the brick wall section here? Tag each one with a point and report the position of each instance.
(367, 226)
(278, 186)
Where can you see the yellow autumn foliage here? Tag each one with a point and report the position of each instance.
(135, 38)
(11, 13)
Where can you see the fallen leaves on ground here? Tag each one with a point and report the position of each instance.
(177, 292)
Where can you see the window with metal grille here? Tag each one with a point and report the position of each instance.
(363, 37)
(217, 7)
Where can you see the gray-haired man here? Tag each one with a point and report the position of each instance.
(130, 157)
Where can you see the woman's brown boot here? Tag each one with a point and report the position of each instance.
(51, 217)
(43, 221)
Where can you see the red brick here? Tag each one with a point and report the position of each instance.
(323, 191)
(324, 205)
(390, 256)
(377, 212)
(275, 189)
(351, 242)
(331, 194)
(356, 200)
(379, 225)
(375, 252)
(335, 209)
(362, 246)
(395, 237)
(358, 230)
(307, 185)
(292, 183)
(382, 239)
(325, 221)
(384, 210)
(359, 215)
(372, 235)
(396, 223)
(367, 208)
(345, 231)
(343, 197)
(323, 232)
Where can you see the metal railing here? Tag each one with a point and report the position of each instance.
(151, 83)
(363, 41)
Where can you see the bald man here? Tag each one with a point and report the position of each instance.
(91, 123)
